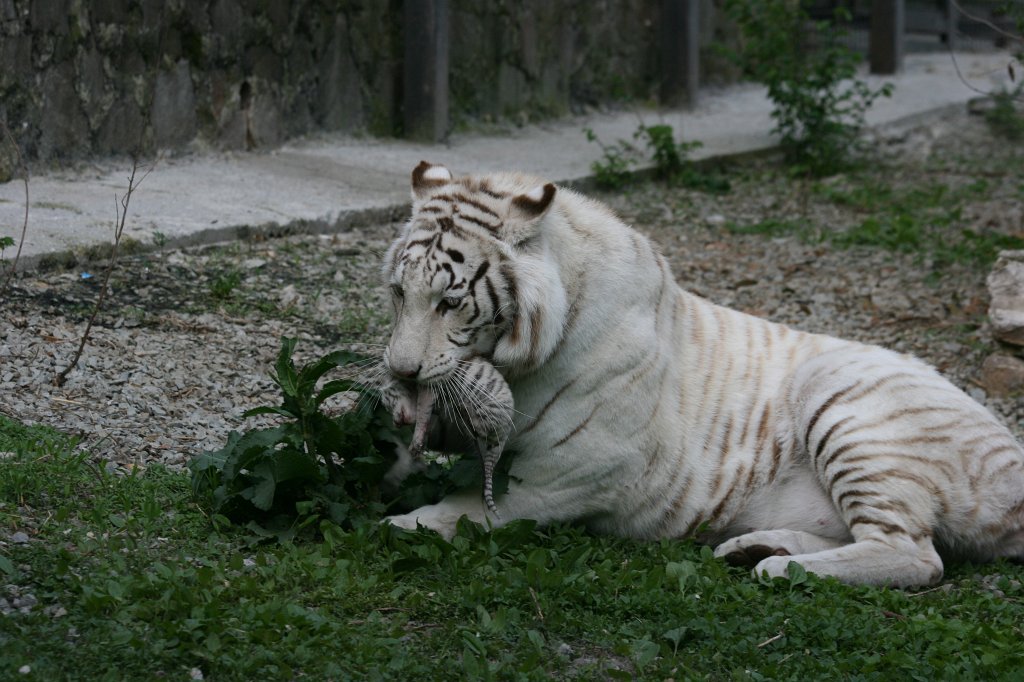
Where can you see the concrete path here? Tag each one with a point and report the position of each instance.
(328, 183)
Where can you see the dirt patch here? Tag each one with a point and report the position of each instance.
(187, 337)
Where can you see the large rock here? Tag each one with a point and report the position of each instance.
(1003, 375)
(1006, 289)
(64, 126)
(174, 107)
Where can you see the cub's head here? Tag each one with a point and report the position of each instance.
(463, 274)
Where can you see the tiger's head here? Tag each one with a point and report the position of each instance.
(470, 275)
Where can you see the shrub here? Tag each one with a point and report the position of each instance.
(819, 105)
(283, 477)
(1004, 118)
(278, 480)
(671, 164)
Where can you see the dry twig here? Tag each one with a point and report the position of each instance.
(770, 640)
(536, 605)
(952, 55)
(984, 22)
(24, 224)
(121, 216)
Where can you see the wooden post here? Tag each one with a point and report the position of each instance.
(425, 73)
(888, 20)
(952, 18)
(680, 51)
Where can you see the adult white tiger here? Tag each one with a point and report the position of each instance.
(646, 411)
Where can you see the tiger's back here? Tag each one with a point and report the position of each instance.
(647, 411)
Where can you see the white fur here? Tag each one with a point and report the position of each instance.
(437, 173)
(645, 411)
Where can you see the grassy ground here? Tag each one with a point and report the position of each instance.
(115, 573)
(126, 578)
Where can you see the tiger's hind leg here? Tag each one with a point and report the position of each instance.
(750, 548)
(870, 561)
(881, 433)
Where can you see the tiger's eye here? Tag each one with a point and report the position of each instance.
(451, 301)
(398, 291)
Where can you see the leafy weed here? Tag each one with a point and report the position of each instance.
(671, 165)
(818, 103)
(1005, 117)
(223, 286)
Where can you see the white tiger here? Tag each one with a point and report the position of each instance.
(648, 412)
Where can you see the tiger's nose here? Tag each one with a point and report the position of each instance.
(408, 373)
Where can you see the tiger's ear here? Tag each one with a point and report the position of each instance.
(526, 212)
(426, 177)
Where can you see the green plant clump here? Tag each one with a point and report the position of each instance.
(671, 165)
(819, 105)
(223, 286)
(281, 479)
(284, 477)
(123, 577)
(1005, 117)
(926, 220)
(617, 162)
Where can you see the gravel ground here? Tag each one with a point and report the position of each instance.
(187, 337)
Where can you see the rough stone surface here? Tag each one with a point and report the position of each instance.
(323, 65)
(177, 355)
(331, 182)
(1006, 288)
(173, 114)
(63, 125)
(122, 128)
(1003, 375)
(8, 160)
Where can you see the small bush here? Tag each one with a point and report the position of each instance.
(612, 170)
(819, 105)
(283, 477)
(1005, 118)
(278, 480)
(671, 164)
(223, 286)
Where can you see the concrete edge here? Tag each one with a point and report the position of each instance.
(99, 254)
(348, 220)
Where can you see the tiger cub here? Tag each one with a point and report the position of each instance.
(476, 399)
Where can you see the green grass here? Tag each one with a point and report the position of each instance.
(223, 286)
(153, 589)
(926, 220)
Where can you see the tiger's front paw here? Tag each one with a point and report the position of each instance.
(414, 521)
(774, 566)
(406, 521)
(737, 552)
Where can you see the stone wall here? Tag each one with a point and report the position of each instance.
(84, 78)
(526, 60)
